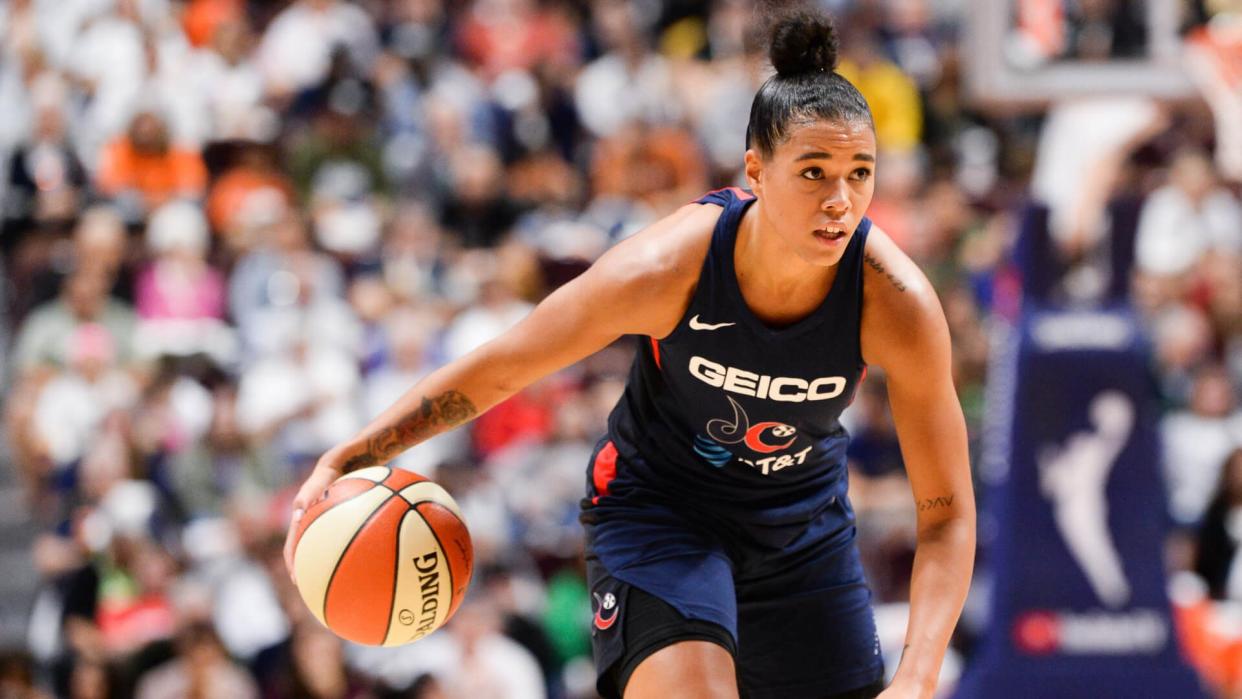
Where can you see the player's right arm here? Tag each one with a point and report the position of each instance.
(641, 286)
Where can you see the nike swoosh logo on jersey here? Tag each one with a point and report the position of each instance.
(696, 325)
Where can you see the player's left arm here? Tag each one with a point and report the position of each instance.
(904, 332)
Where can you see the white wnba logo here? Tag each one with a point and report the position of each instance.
(1074, 477)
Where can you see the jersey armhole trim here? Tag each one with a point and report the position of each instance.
(689, 311)
(862, 291)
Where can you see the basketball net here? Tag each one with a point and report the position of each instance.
(1213, 55)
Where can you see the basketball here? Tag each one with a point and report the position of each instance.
(383, 557)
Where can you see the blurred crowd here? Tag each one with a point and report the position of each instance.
(235, 230)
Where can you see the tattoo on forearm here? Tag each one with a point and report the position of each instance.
(879, 267)
(434, 415)
(935, 503)
(356, 462)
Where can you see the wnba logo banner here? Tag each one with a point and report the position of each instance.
(1074, 516)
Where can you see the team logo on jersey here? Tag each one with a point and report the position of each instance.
(767, 437)
(711, 451)
(607, 603)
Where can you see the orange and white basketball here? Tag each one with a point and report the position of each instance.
(383, 557)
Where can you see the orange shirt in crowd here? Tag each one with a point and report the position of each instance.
(660, 166)
(176, 172)
(202, 18)
(229, 193)
(519, 43)
(1214, 649)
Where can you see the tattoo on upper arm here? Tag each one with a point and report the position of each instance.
(434, 415)
(935, 503)
(879, 267)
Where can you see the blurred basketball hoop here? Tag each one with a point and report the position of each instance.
(1213, 56)
(1030, 52)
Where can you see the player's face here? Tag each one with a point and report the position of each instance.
(816, 186)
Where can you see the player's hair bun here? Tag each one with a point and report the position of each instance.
(803, 42)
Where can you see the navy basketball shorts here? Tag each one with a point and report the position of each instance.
(797, 619)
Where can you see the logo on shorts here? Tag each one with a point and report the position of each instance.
(607, 603)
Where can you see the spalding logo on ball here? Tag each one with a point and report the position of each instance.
(383, 557)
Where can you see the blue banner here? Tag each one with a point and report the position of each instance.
(1074, 517)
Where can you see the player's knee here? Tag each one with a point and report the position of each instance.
(685, 670)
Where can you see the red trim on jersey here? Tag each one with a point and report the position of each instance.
(604, 470)
(861, 377)
(655, 349)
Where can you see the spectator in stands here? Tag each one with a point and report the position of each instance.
(144, 169)
(720, 103)
(630, 82)
(497, 36)
(657, 168)
(477, 210)
(44, 337)
(497, 307)
(274, 287)
(893, 96)
(1184, 338)
(17, 677)
(1186, 218)
(72, 405)
(248, 196)
(201, 669)
(231, 85)
(295, 52)
(222, 464)
(413, 253)
(115, 51)
(99, 242)
(1220, 536)
(1198, 440)
(179, 296)
(315, 668)
(202, 19)
(45, 179)
(483, 662)
(21, 57)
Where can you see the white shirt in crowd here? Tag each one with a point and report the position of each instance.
(296, 51)
(1195, 448)
(1173, 233)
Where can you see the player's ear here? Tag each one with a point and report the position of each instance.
(754, 171)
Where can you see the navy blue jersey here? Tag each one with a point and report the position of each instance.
(733, 418)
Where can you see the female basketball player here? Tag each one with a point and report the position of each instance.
(720, 540)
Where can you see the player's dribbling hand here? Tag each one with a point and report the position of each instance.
(325, 472)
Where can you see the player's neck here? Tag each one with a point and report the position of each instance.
(779, 286)
(764, 259)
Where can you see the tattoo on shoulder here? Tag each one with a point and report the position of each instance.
(935, 503)
(879, 267)
(434, 415)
